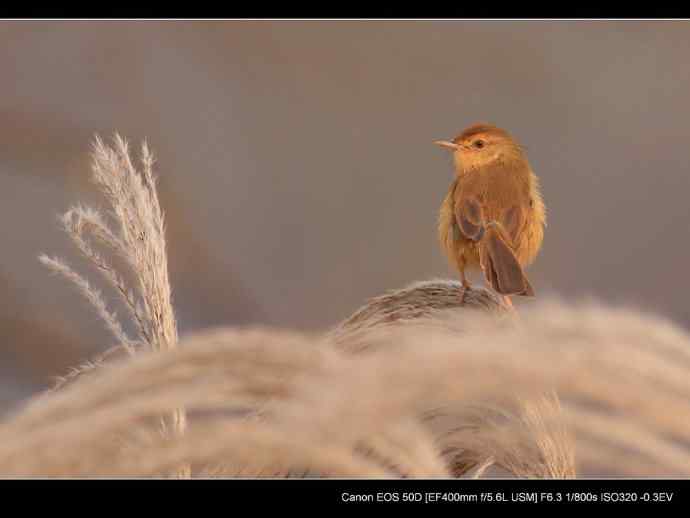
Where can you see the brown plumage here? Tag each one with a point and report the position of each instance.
(493, 216)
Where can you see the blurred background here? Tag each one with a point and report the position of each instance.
(297, 168)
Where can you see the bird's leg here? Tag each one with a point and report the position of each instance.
(465, 284)
(508, 303)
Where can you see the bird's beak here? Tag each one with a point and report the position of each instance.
(445, 143)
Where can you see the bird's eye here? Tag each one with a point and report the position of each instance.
(478, 144)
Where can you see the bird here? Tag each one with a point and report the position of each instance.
(493, 216)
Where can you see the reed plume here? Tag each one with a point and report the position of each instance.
(137, 238)
(455, 394)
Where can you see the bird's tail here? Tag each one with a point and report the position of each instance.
(501, 268)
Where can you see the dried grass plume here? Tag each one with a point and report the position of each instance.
(135, 234)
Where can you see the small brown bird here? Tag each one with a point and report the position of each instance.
(493, 216)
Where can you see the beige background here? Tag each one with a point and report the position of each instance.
(297, 167)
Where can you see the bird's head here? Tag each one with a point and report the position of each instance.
(480, 145)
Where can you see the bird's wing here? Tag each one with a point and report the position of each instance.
(513, 221)
(469, 217)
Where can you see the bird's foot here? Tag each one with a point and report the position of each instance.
(465, 288)
(508, 303)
